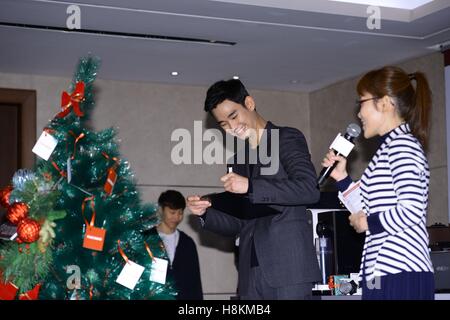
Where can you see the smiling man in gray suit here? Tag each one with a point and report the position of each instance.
(277, 259)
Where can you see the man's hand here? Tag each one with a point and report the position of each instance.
(359, 221)
(235, 183)
(197, 206)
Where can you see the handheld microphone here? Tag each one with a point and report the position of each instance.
(340, 146)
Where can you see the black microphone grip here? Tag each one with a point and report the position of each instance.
(326, 171)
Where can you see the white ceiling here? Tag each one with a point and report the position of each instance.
(280, 45)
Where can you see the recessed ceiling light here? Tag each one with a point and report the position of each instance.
(399, 4)
(174, 73)
(294, 81)
(235, 77)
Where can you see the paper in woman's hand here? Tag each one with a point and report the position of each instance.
(351, 198)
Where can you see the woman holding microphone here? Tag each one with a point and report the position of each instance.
(395, 262)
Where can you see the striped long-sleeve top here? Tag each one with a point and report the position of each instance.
(394, 192)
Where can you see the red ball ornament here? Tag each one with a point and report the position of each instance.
(4, 196)
(17, 212)
(28, 230)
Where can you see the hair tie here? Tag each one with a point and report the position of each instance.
(412, 76)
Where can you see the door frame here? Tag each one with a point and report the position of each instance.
(26, 101)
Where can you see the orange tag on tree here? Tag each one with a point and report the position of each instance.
(94, 238)
(110, 181)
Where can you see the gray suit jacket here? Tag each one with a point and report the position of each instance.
(283, 242)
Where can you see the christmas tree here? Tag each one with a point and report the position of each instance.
(79, 215)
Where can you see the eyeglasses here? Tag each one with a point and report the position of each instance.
(360, 102)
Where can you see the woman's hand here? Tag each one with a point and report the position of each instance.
(340, 171)
(359, 221)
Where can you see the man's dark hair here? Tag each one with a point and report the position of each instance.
(220, 91)
(172, 199)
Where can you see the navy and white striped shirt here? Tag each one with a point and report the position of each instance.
(394, 192)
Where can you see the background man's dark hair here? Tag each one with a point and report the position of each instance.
(172, 199)
(220, 91)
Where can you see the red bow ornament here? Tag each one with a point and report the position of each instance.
(32, 294)
(72, 100)
(8, 290)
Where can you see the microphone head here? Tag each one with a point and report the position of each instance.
(353, 130)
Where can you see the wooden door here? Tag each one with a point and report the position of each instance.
(17, 133)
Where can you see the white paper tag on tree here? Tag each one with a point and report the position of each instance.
(159, 270)
(130, 274)
(45, 145)
(342, 145)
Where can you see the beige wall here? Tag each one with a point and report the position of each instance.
(146, 114)
(333, 108)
